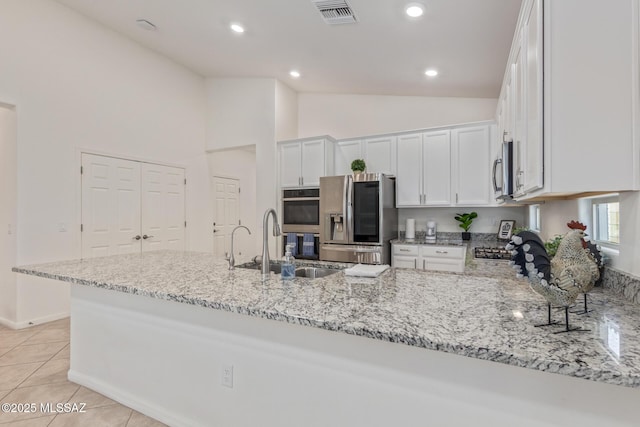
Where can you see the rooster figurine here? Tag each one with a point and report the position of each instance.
(596, 256)
(559, 280)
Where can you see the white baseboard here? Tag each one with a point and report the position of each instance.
(27, 323)
(129, 400)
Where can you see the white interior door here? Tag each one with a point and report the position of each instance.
(226, 211)
(163, 203)
(110, 206)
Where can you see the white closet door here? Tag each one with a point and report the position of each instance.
(110, 206)
(163, 205)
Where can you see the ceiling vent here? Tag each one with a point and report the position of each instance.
(335, 11)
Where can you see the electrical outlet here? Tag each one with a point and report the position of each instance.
(227, 376)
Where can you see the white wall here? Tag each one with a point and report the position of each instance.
(240, 164)
(488, 219)
(78, 85)
(347, 116)
(286, 112)
(243, 112)
(8, 212)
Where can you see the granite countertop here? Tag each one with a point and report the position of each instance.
(484, 313)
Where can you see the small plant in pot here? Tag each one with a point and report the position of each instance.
(358, 166)
(465, 220)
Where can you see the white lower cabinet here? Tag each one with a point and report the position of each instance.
(429, 257)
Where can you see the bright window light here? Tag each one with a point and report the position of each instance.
(606, 219)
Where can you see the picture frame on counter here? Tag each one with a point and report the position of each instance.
(506, 229)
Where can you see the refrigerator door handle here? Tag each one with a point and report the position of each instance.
(349, 207)
(496, 162)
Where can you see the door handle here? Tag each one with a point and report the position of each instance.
(496, 162)
(137, 237)
(145, 237)
(215, 231)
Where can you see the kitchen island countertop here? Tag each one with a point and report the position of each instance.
(484, 313)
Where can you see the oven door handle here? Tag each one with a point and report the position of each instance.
(302, 199)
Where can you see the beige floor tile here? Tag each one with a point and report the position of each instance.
(4, 350)
(139, 420)
(11, 376)
(51, 393)
(58, 324)
(51, 372)
(91, 398)
(107, 416)
(12, 338)
(65, 353)
(33, 422)
(48, 335)
(31, 353)
(3, 393)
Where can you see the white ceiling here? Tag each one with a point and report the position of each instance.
(384, 53)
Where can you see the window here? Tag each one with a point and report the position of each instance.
(606, 219)
(534, 217)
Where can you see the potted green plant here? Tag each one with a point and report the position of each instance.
(358, 166)
(465, 220)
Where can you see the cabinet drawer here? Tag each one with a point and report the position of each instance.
(456, 252)
(401, 261)
(405, 249)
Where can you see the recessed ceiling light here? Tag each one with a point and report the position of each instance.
(237, 28)
(294, 73)
(414, 10)
(431, 73)
(147, 25)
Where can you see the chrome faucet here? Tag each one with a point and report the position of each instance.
(265, 240)
(231, 259)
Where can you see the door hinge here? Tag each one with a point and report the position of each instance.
(239, 222)
(81, 170)
(81, 228)
(185, 181)
(185, 223)
(238, 190)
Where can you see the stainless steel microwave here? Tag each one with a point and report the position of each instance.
(301, 211)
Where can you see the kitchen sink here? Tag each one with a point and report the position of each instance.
(314, 272)
(308, 272)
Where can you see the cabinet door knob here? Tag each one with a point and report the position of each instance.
(137, 237)
(145, 237)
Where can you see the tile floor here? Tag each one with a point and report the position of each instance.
(33, 369)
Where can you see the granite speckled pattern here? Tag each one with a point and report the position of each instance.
(484, 313)
(623, 284)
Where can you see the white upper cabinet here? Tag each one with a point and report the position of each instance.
(445, 167)
(436, 160)
(346, 152)
(409, 179)
(303, 162)
(471, 167)
(290, 164)
(573, 88)
(379, 154)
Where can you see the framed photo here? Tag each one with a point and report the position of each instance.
(506, 229)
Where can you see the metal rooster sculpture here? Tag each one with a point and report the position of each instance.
(559, 280)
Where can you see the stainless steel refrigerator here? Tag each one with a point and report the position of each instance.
(358, 218)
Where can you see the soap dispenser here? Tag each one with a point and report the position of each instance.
(288, 264)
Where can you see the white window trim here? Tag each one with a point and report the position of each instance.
(609, 248)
